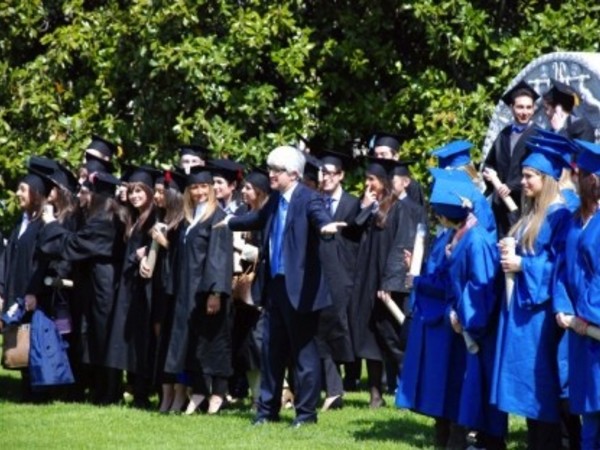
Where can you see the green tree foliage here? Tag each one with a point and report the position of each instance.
(245, 75)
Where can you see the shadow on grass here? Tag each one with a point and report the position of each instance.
(399, 429)
(10, 387)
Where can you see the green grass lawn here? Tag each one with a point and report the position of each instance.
(63, 425)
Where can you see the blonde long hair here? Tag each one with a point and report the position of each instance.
(189, 206)
(534, 211)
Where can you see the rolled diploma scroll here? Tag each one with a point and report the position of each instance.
(508, 201)
(591, 330)
(510, 245)
(58, 282)
(470, 343)
(418, 251)
(393, 308)
(151, 258)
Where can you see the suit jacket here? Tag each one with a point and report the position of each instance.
(306, 215)
(509, 166)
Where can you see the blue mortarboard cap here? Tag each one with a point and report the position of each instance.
(589, 156)
(451, 197)
(450, 174)
(454, 154)
(547, 160)
(566, 147)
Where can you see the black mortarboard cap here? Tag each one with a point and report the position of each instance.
(312, 167)
(65, 178)
(521, 88)
(104, 183)
(103, 146)
(95, 164)
(194, 149)
(562, 94)
(386, 168)
(226, 168)
(140, 174)
(38, 181)
(259, 178)
(199, 175)
(173, 179)
(340, 160)
(387, 140)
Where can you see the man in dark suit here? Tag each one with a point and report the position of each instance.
(339, 252)
(292, 219)
(508, 151)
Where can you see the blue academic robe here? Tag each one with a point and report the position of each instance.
(526, 380)
(577, 291)
(472, 269)
(435, 355)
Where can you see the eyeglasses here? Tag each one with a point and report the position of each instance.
(276, 169)
(330, 173)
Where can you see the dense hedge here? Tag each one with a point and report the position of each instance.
(248, 74)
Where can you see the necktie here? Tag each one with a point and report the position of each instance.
(329, 204)
(517, 128)
(277, 236)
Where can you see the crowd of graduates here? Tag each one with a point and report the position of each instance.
(212, 280)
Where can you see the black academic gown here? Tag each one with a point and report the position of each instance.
(201, 343)
(578, 128)
(338, 260)
(20, 264)
(509, 172)
(96, 251)
(130, 341)
(381, 259)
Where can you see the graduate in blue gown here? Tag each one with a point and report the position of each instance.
(526, 380)
(577, 293)
(450, 383)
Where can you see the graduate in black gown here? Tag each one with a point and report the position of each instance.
(389, 230)
(201, 336)
(168, 188)
(131, 342)
(20, 259)
(338, 255)
(97, 250)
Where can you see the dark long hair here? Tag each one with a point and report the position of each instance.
(387, 201)
(589, 193)
(140, 217)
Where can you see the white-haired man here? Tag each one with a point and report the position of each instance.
(294, 290)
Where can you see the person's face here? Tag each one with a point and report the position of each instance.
(384, 152)
(399, 184)
(53, 196)
(199, 192)
(332, 178)
(84, 197)
(549, 110)
(82, 174)
(138, 197)
(248, 194)
(374, 184)
(23, 196)
(532, 182)
(223, 189)
(159, 195)
(188, 161)
(522, 109)
(280, 179)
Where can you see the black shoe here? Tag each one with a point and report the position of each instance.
(297, 423)
(260, 421)
(377, 402)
